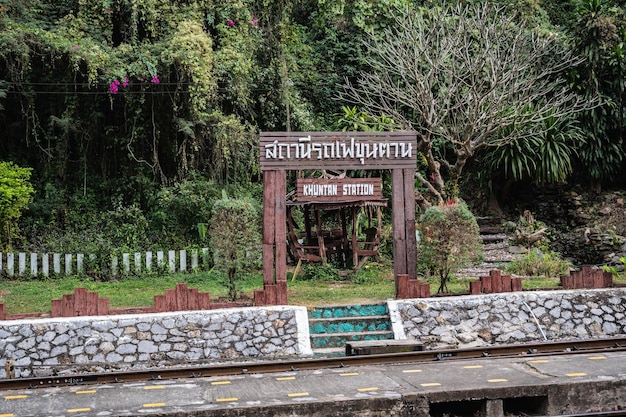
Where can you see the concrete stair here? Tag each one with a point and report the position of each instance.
(331, 327)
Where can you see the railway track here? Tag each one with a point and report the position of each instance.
(613, 413)
(526, 350)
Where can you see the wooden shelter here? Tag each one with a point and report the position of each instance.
(295, 151)
(330, 223)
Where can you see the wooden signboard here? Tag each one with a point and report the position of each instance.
(314, 190)
(337, 150)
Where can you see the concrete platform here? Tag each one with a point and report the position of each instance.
(547, 385)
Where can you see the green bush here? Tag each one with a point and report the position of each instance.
(320, 273)
(16, 192)
(449, 239)
(180, 209)
(235, 237)
(538, 263)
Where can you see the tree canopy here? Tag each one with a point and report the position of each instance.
(465, 78)
(118, 104)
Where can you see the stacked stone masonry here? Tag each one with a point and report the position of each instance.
(38, 347)
(511, 318)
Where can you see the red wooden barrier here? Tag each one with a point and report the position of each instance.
(182, 298)
(272, 294)
(587, 277)
(81, 303)
(495, 283)
(411, 288)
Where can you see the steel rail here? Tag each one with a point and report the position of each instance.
(277, 366)
(613, 413)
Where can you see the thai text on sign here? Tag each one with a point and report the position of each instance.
(341, 150)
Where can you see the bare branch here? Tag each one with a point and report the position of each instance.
(470, 77)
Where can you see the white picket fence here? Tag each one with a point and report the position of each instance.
(32, 264)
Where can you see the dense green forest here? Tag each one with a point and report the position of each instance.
(135, 116)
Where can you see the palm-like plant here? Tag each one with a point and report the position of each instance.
(544, 156)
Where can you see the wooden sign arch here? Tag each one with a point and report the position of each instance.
(283, 151)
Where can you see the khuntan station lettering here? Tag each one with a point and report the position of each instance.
(352, 149)
(339, 189)
(326, 190)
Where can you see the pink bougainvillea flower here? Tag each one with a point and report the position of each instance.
(155, 80)
(230, 22)
(432, 176)
(113, 87)
(126, 82)
(254, 21)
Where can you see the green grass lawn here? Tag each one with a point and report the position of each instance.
(372, 284)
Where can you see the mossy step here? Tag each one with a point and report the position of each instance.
(357, 310)
(329, 340)
(350, 324)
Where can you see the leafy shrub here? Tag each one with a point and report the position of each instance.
(235, 239)
(449, 239)
(321, 273)
(180, 209)
(15, 193)
(538, 263)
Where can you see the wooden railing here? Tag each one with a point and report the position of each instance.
(34, 264)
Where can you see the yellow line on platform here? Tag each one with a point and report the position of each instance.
(15, 397)
(350, 374)
(153, 405)
(431, 384)
(225, 400)
(78, 410)
(298, 394)
(367, 389)
(154, 387)
(286, 378)
(576, 374)
(6, 415)
(540, 361)
(472, 367)
(220, 383)
(597, 358)
(90, 391)
(497, 380)
(411, 371)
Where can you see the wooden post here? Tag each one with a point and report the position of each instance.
(402, 285)
(269, 200)
(506, 283)
(280, 228)
(399, 228)
(409, 212)
(496, 280)
(485, 283)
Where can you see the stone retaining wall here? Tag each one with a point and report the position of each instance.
(38, 347)
(510, 318)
